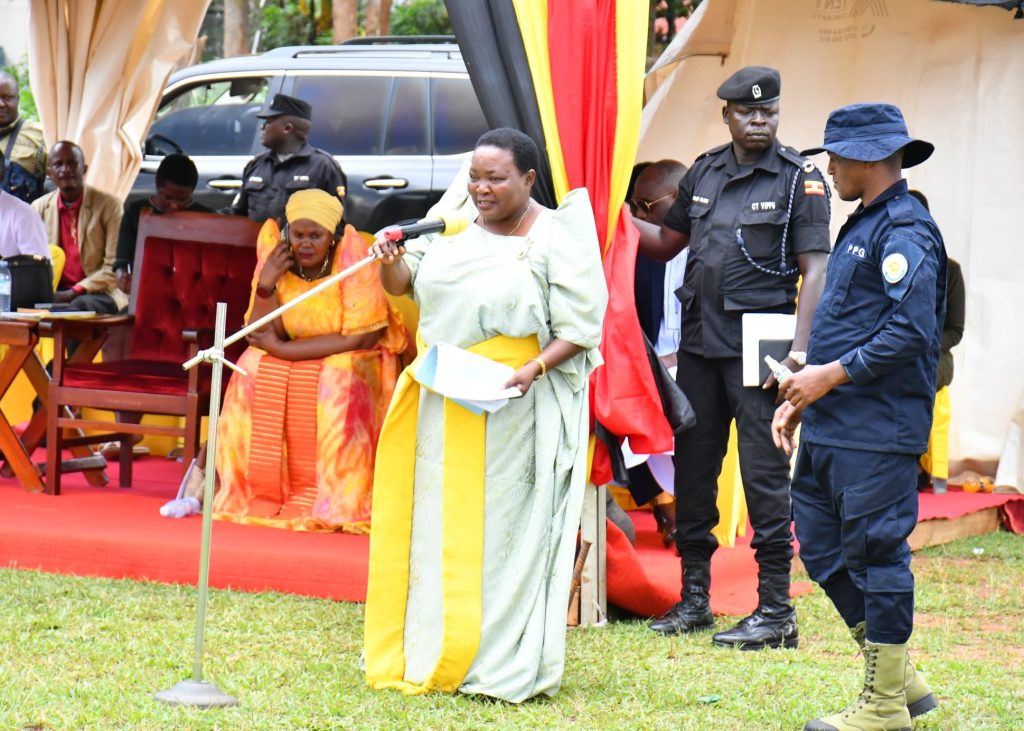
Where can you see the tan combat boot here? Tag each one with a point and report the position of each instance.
(919, 696)
(882, 705)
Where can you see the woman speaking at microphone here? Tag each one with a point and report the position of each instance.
(298, 433)
(475, 516)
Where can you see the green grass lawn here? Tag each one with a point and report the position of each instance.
(89, 653)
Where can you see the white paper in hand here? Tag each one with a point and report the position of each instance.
(473, 381)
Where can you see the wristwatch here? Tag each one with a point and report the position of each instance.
(263, 292)
(799, 357)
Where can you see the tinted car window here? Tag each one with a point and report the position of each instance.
(458, 119)
(348, 111)
(407, 127)
(215, 118)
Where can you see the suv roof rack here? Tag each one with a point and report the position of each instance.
(380, 40)
(382, 44)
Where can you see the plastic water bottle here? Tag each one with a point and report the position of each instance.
(5, 286)
(780, 371)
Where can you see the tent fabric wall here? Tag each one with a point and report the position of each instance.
(98, 67)
(955, 71)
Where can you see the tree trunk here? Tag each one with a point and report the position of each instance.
(236, 28)
(344, 19)
(372, 26)
(385, 17)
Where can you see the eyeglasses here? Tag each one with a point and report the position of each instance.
(639, 204)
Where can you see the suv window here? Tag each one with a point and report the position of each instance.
(348, 111)
(407, 127)
(212, 118)
(458, 119)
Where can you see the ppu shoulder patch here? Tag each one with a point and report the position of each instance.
(902, 255)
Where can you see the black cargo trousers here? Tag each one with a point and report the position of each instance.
(715, 388)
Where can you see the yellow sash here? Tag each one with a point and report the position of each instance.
(387, 590)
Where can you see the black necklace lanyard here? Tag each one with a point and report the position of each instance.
(782, 271)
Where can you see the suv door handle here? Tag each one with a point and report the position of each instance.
(225, 184)
(386, 183)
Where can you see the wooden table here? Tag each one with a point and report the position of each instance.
(21, 338)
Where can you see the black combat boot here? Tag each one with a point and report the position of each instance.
(693, 613)
(773, 623)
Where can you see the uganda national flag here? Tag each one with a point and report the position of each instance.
(570, 75)
(814, 187)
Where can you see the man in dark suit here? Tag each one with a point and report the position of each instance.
(660, 313)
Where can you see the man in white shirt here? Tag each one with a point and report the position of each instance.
(21, 229)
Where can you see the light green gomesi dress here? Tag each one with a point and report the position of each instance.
(472, 287)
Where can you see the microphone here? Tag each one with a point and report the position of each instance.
(446, 224)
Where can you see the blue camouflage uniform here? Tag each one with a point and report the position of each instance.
(854, 487)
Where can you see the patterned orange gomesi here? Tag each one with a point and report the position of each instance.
(297, 439)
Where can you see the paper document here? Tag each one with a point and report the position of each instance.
(660, 465)
(26, 314)
(475, 382)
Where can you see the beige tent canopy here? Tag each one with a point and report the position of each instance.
(955, 70)
(97, 69)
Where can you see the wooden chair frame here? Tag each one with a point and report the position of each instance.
(208, 229)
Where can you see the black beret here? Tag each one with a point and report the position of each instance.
(751, 85)
(284, 104)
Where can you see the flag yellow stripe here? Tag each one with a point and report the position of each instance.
(630, 57)
(533, 25)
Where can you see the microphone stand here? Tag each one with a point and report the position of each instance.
(196, 691)
(211, 355)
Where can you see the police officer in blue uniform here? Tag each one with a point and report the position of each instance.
(865, 399)
(290, 164)
(755, 215)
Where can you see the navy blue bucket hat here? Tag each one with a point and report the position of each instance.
(869, 133)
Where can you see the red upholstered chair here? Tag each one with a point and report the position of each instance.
(184, 264)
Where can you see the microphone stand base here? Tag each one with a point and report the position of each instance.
(195, 693)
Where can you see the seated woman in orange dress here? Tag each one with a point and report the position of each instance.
(298, 433)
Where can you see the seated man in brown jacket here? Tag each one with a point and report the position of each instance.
(84, 222)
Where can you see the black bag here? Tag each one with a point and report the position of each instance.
(31, 280)
(677, 407)
(19, 183)
(17, 180)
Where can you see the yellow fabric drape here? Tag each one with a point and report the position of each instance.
(98, 68)
(731, 502)
(936, 461)
(463, 531)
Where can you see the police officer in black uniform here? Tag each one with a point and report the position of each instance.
(290, 164)
(755, 215)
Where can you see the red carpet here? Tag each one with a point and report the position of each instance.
(118, 533)
(954, 503)
(733, 573)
